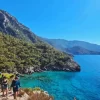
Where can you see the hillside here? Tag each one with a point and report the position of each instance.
(66, 46)
(9, 25)
(17, 55)
(76, 50)
(21, 50)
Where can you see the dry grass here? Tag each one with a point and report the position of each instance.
(40, 96)
(36, 95)
(21, 93)
(29, 91)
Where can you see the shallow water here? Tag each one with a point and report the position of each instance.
(84, 85)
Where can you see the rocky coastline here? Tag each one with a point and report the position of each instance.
(24, 52)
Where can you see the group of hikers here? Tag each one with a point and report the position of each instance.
(5, 88)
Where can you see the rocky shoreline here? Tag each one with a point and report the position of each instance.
(31, 70)
(71, 67)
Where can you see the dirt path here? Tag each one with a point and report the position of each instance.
(9, 97)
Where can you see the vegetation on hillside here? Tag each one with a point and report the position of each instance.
(16, 54)
(22, 50)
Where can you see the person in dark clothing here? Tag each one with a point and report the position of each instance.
(1, 80)
(17, 75)
(5, 86)
(15, 85)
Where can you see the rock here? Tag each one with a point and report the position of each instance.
(24, 97)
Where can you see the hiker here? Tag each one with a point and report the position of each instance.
(15, 85)
(1, 80)
(5, 86)
(17, 75)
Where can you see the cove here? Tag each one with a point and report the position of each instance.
(84, 85)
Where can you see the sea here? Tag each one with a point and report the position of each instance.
(83, 85)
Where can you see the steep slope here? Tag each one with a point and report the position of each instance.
(10, 25)
(23, 51)
(76, 50)
(22, 56)
(61, 44)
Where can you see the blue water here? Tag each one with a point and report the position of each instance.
(84, 85)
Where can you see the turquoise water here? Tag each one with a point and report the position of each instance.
(84, 85)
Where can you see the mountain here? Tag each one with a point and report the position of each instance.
(67, 46)
(76, 50)
(10, 25)
(22, 51)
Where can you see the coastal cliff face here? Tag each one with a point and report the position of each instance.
(21, 50)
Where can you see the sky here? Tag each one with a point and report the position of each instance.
(58, 19)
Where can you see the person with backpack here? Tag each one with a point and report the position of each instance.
(5, 86)
(1, 79)
(15, 85)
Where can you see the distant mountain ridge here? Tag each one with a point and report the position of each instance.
(76, 50)
(81, 47)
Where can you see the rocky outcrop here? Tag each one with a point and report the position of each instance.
(10, 25)
(69, 66)
(28, 94)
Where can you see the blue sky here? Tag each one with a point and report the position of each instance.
(64, 19)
